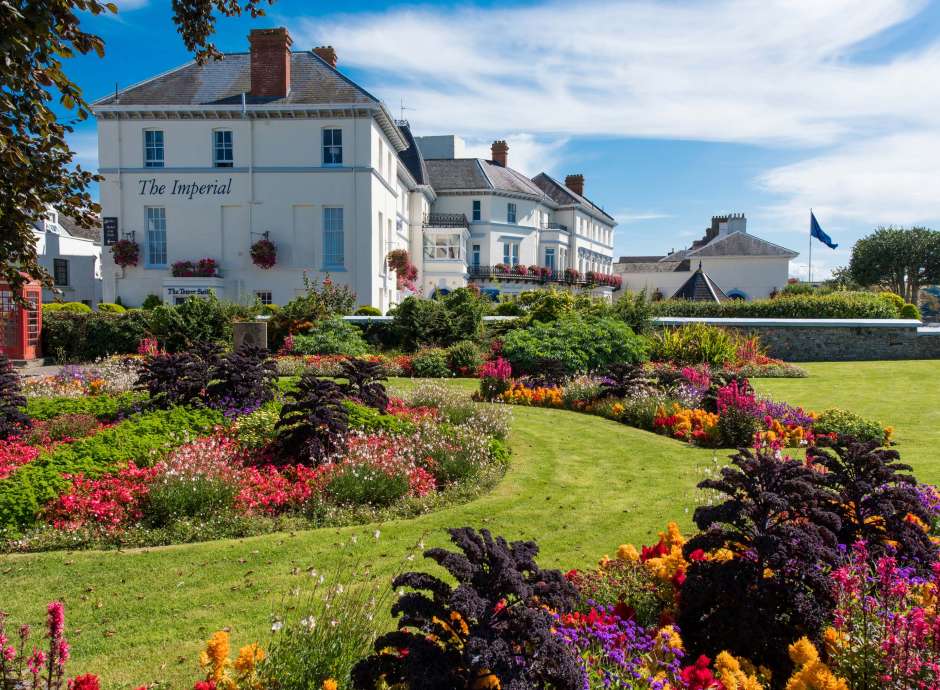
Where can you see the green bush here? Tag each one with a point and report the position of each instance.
(581, 344)
(173, 498)
(547, 305)
(736, 428)
(151, 301)
(72, 307)
(845, 423)
(365, 485)
(102, 407)
(438, 322)
(143, 439)
(73, 337)
(111, 307)
(799, 288)
(892, 298)
(694, 343)
(509, 309)
(256, 430)
(430, 363)
(331, 337)
(910, 311)
(635, 310)
(371, 421)
(837, 305)
(320, 302)
(196, 321)
(464, 358)
(368, 310)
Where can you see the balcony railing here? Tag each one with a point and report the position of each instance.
(541, 274)
(556, 226)
(446, 220)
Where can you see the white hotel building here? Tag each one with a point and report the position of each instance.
(205, 160)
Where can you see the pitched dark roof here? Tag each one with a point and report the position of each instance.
(741, 244)
(72, 228)
(453, 174)
(638, 259)
(652, 266)
(700, 288)
(564, 196)
(411, 157)
(222, 82)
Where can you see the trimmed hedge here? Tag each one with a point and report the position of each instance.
(90, 336)
(142, 439)
(837, 305)
(71, 307)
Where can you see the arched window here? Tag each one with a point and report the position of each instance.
(737, 294)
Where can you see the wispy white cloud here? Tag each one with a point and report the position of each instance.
(130, 5)
(626, 217)
(527, 153)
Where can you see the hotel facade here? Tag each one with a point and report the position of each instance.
(207, 160)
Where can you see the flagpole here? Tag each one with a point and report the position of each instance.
(811, 246)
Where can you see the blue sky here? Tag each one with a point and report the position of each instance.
(674, 111)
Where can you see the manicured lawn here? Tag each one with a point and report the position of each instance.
(580, 485)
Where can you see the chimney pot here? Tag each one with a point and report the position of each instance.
(500, 152)
(270, 62)
(327, 54)
(575, 183)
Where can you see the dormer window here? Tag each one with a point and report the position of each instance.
(223, 152)
(153, 148)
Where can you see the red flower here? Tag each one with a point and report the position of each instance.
(89, 681)
(700, 677)
(204, 685)
(697, 555)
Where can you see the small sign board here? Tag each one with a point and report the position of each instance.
(109, 225)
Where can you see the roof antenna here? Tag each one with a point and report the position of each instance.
(115, 91)
(402, 109)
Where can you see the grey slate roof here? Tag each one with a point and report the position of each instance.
(741, 244)
(639, 259)
(453, 174)
(652, 266)
(92, 233)
(564, 196)
(700, 288)
(411, 157)
(222, 82)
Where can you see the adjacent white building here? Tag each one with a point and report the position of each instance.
(206, 160)
(71, 256)
(735, 263)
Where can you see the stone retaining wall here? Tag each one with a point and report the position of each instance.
(832, 340)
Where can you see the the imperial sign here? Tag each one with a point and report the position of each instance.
(150, 187)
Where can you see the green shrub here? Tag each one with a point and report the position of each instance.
(509, 309)
(581, 344)
(196, 321)
(256, 430)
(151, 301)
(547, 305)
(437, 322)
(635, 310)
(694, 343)
(103, 407)
(111, 307)
(368, 310)
(74, 337)
(430, 363)
(736, 428)
(371, 421)
(892, 298)
(800, 288)
(366, 485)
(320, 302)
(65, 426)
(142, 439)
(464, 358)
(174, 497)
(331, 337)
(837, 305)
(845, 423)
(72, 307)
(910, 311)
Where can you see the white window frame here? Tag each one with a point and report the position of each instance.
(334, 238)
(550, 258)
(154, 162)
(218, 162)
(443, 246)
(155, 232)
(334, 148)
(511, 253)
(264, 296)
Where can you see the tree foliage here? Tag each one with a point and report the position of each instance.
(898, 259)
(37, 166)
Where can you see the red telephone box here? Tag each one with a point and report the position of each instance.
(21, 325)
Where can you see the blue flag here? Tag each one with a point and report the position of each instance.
(817, 232)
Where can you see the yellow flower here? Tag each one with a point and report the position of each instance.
(330, 684)
(248, 658)
(736, 674)
(459, 624)
(628, 552)
(486, 681)
(833, 639)
(811, 673)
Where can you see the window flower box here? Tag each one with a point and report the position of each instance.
(204, 268)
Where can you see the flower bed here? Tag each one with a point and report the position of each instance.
(692, 404)
(136, 467)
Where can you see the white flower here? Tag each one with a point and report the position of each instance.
(309, 622)
(354, 539)
(377, 534)
(277, 625)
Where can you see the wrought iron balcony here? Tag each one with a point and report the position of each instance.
(556, 226)
(446, 220)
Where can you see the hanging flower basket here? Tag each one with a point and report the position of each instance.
(406, 273)
(126, 253)
(264, 253)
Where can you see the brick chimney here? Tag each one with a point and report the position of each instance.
(270, 62)
(327, 54)
(500, 152)
(575, 183)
